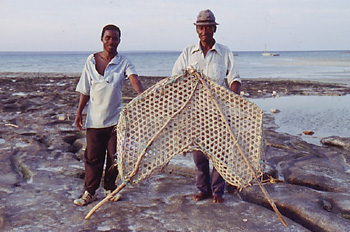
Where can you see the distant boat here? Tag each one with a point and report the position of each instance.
(265, 53)
(270, 54)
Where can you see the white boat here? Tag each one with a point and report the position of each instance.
(270, 54)
(265, 53)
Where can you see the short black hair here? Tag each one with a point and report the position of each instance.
(111, 27)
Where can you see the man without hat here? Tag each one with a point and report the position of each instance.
(100, 87)
(216, 62)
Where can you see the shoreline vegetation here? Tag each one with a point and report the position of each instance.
(42, 170)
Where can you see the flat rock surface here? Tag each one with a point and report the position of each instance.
(42, 171)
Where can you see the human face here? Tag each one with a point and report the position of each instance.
(206, 33)
(110, 40)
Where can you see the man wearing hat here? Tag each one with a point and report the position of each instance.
(216, 62)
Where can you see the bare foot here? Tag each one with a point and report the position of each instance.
(218, 199)
(201, 196)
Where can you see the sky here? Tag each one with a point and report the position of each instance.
(167, 25)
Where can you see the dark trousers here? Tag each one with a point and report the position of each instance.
(205, 184)
(97, 142)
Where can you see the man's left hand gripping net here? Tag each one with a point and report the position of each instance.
(184, 113)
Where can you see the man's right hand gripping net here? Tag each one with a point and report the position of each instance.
(189, 112)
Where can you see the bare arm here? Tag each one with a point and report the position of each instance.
(236, 87)
(136, 83)
(79, 118)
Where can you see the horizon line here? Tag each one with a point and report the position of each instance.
(155, 51)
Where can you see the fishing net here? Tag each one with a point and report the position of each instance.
(186, 113)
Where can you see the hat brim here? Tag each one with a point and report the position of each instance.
(206, 23)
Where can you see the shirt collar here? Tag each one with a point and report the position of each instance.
(196, 48)
(115, 59)
(215, 48)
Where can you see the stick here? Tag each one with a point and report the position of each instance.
(160, 130)
(240, 150)
(117, 190)
(140, 158)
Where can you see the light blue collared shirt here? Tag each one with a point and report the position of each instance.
(217, 65)
(105, 91)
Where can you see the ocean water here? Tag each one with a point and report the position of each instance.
(331, 66)
(326, 116)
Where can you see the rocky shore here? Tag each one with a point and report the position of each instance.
(42, 170)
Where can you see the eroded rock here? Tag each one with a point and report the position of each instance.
(337, 142)
(41, 144)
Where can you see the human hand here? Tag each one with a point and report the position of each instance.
(79, 122)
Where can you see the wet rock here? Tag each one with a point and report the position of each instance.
(303, 205)
(326, 205)
(275, 111)
(42, 172)
(319, 174)
(337, 142)
(22, 169)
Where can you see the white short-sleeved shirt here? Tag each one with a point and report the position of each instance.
(105, 92)
(217, 65)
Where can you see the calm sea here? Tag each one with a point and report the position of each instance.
(333, 66)
(326, 115)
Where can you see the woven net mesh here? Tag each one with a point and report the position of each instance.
(186, 113)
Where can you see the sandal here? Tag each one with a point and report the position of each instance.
(85, 199)
(201, 196)
(218, 199)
